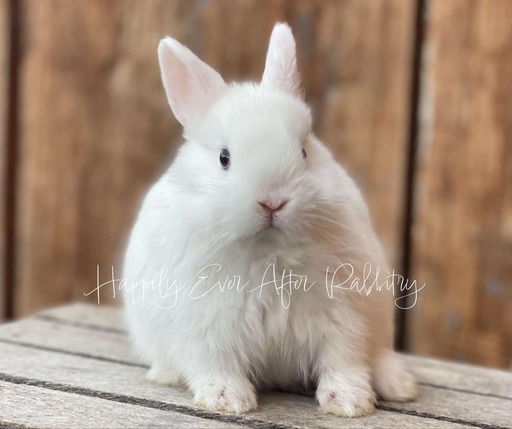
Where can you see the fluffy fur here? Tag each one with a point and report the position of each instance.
(226, 342)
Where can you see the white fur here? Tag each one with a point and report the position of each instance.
(191, 85)
(281, 71)
(226, 345)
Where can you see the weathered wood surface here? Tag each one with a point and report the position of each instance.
(62, 362)
(358, 82)
(4, 100)
(65, 408)
(463, 228)
(95, 129)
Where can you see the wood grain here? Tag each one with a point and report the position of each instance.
(358, 83)
(102, 337)
(77, 358)
(97, 316)
(291, 411)
(463, 228)
(4, 102)
(96, 130)
(58, 409)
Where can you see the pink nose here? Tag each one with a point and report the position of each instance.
(272, 206)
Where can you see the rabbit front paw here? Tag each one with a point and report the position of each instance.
(234, 396)
(346, 395)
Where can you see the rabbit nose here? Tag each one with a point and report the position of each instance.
(272, 206)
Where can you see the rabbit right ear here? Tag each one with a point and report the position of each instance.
(281, 69)
(191, 85)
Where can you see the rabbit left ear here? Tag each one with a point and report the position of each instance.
(191, 85)
(281, 70)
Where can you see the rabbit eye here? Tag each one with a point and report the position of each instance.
(304, 154)
(225, 158)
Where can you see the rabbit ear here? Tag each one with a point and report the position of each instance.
(191, 85)
(281, 65)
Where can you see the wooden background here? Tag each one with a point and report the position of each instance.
(413, 97)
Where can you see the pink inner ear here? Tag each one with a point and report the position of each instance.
(191, 85)
(177, 85)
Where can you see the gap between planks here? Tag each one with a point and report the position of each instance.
(49, 318)
(275, 407)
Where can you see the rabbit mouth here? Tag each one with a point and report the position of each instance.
(269, 225)
(270, 221)
(272, 232)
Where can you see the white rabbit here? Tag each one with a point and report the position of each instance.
(252, 201)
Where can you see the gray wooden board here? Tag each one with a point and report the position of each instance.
(485, 381)
(51, 334)
(90, 351)
(128, 384)
(108, 344)
(42, 407)
(100, 316)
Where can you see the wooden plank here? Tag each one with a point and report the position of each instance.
(447, 391)
(463, 229)
(358, 85)
(286, 410)
(428, 371)
(100, 316)
(105, 345)
(4, 100)
(468, 408)
(458, 376)
(44, 407)
(85, 167)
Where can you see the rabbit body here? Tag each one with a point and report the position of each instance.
(262, 271)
